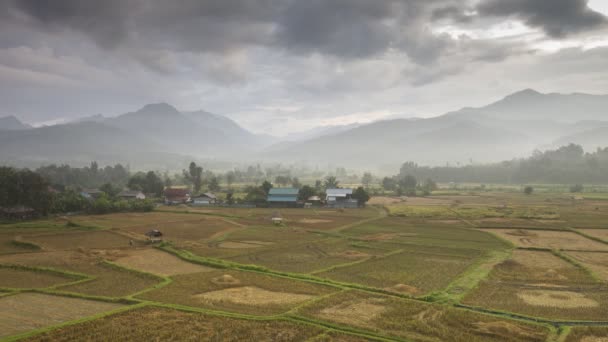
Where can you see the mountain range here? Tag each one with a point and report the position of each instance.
(160, 136)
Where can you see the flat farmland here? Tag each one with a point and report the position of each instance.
(156, 262)
(237, 291)
(588, 334)
(27, 311)
(548, 239)
(323, 275)
(418, 321)
(15, 277)
(414, 272)
(541, 284)
(595, 261)
(598, 233)
(160, 324)
(107, 280)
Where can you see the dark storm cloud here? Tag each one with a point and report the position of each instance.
(104, 21)
(558, 18)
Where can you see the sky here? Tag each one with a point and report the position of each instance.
(281, 66)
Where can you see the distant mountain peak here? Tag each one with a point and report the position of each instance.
(161, 108)
(528, 92)
(11, 122)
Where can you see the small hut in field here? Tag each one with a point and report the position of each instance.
(276, 218)
(154, 235)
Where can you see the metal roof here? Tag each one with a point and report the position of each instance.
(338, 192)
(284, 191)
(282, 198)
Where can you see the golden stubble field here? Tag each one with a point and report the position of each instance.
(391, 271)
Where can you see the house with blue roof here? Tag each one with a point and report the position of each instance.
(283, 197)
(340, 198)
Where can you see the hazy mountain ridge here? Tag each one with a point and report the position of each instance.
(509, 128)
(10, 123)
(506, 129)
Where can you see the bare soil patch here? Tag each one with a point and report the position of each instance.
(594, 339)
(539, 259)
(548, 239)
(225, 279)
(251, 295)
(28, 311)
(158, 262)
(356, 313)
(381, 200)
(75, 240)
(558, 299)
(314, 221)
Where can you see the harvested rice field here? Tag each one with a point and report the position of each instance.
(23, 278)
(155, 261)
(548, 239)
(540, 284)
(161, 324)
(418, 321)
(598, 233)
(28, 311)
(243, 292)
(437, 268)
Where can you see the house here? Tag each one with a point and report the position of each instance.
(91, 194)
(283, 197)
(340, 198)
(177, 196)
(204, 199)
(17, 213)
(132, 195)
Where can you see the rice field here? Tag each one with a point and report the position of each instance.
(324, 275)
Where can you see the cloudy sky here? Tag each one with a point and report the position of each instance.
(278, 66)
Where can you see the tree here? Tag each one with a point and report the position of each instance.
(577, 188)
(331, 182)
(407, 185)
(318, 185)
(256, 194)
(149, 183)
(528, 190)
(24, 188)
(230, 198)
(194, 175)
(282, 180)
(428, 186)
(110, 190)
(389, 183)
(295, 183)
(361, 196)
(266, 186)
(214, 184)
(306, 192)
(366, 179)
(230, 177)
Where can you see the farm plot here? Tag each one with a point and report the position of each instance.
(595, 261)
(108, 280)
(548, 239)
(27, 311)
(315, 219)
(78, 240)
(541, 284)
(195, 229)
(396, 230)
(309, 256)
(16, 277)
(235, 291)
(586, 215)
(157, 262)
(124, 220)
(13, 243)
(588, 334)
(598, 233)
(418, 321)
(413, 273)
(159, 324)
